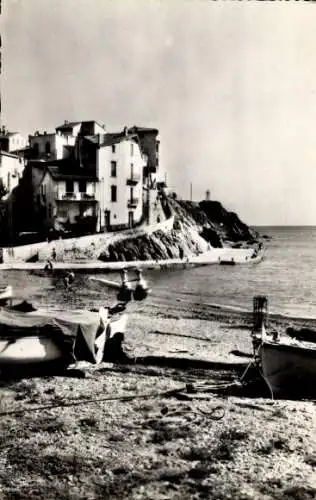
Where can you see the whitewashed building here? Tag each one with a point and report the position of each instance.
(11, 141)
(55, 145)
(11, 170)
(120, 165)
(81, 175)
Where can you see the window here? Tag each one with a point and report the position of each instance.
(132, 194)
(113, 168)
(113, 193)
(69, 186)
(62, 214)
(113, 148)
(47, 148)
(83, 186)
(132, 170)
(36, 149)
(132, 149)
(9, 181)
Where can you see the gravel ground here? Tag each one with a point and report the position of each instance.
(74, 438)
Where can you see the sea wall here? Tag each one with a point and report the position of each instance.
(191, 229)
(83, 248)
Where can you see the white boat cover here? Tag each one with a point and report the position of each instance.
(75, 332)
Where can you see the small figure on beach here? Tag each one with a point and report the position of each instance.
(54, 255)
(49, 266)
(142, 289)
(68, 279)
(125, 293)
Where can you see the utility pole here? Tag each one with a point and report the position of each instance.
(190, 191)
(0, 67)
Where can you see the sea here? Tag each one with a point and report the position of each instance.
(287, 276)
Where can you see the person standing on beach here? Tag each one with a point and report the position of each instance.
(68, 280)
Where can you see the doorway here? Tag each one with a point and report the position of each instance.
(130, 219)
(107, 219)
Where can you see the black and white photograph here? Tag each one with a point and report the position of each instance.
(157, 250)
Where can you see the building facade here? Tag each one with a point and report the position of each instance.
(56, 145)
(11, 170)
(11, 141)
(120, 165)
(67, 202)
(149, 144)
(85, 180)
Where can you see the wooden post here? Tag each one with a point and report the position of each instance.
(260, 312)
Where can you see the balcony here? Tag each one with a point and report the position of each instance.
(133, 180)
(132, 203)
(75, 197)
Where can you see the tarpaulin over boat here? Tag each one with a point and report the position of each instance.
(77, 333)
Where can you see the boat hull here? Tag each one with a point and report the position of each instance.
(41, 350)
(289, 369)
(29, 350)
(117, 324)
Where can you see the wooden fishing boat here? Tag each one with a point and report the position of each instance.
(47, 337)
(30, 336)
(288, 365)
(116, 324)
(6, 294)
(286, 361)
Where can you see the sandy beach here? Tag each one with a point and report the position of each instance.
(119, 433)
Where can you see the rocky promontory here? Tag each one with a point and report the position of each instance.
(198, 226)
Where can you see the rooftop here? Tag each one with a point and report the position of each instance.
(69, 125)
(58, 173)
(136, 129)
(110, 138)
(6, 153)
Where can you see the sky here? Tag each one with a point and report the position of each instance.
(231, 86)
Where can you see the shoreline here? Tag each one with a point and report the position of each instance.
(211, 257)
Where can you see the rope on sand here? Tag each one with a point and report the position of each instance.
(170, 393)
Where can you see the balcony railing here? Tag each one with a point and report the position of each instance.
(132, 203)
(133, 180)
(75, 197)
(68, 196)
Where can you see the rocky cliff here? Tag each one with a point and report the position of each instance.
(197, 228)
